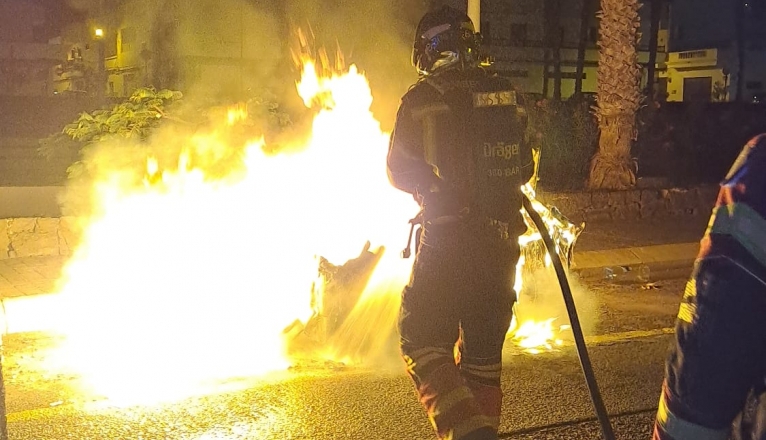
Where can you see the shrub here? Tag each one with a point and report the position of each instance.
(694, 143)
(567, 133)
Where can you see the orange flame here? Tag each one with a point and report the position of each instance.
(184, 280)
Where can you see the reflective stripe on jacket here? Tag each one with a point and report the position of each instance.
(670, 427)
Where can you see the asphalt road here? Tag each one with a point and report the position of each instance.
(546, 396)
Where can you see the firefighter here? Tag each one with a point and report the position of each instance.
(718, 357)
(458, 146)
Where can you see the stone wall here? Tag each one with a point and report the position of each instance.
(636, 204)
(36, 236)
(29, 201)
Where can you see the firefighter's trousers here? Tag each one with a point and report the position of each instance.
(718, 357)
(461, 292)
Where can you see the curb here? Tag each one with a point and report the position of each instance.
(635, 263)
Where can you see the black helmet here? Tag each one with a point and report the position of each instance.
(445, 37)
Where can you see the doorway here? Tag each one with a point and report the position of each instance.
(698, 89)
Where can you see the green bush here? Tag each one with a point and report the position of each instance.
(131, 125)
(134, 143)
(693, 143)
(567, 133)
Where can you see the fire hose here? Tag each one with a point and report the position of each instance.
(582, 350)
(566, 291)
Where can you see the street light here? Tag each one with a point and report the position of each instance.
(98, 35)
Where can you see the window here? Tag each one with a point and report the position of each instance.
(75, 54)
(754, 85)
(518, 34)
(127, 39)
(110, 45)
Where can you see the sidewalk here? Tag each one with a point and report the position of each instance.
(29, 276)
(26, 285)
(611, 244)
(628, 246)
(623, 248)
(626, 234)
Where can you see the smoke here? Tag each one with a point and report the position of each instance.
(83, 5)
(376, 35)
(208, 145)
(236, 49)
(226, 51)
(541, 299)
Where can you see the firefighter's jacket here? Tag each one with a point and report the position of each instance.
(459, 145)
(719, 351)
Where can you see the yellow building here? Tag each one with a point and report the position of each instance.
(27, 49)
(717, 51)
(224, 45)
(696, 75)
(514, 31)
(78, 68)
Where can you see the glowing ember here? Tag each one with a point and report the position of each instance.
(536, 336)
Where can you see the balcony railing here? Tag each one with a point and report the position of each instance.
(703, 57)
(692, 54)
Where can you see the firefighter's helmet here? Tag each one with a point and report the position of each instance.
(445, 37)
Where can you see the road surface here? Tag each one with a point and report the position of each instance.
(629, 330)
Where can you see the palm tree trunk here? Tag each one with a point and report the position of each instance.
(619, 95)
(582, 45)
(653, 38)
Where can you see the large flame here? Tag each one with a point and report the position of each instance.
(187, 279)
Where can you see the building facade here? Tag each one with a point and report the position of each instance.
(515, 35)
(170, 44)
(28, 48)
(717, 51)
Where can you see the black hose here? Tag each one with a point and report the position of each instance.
(582, 350)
